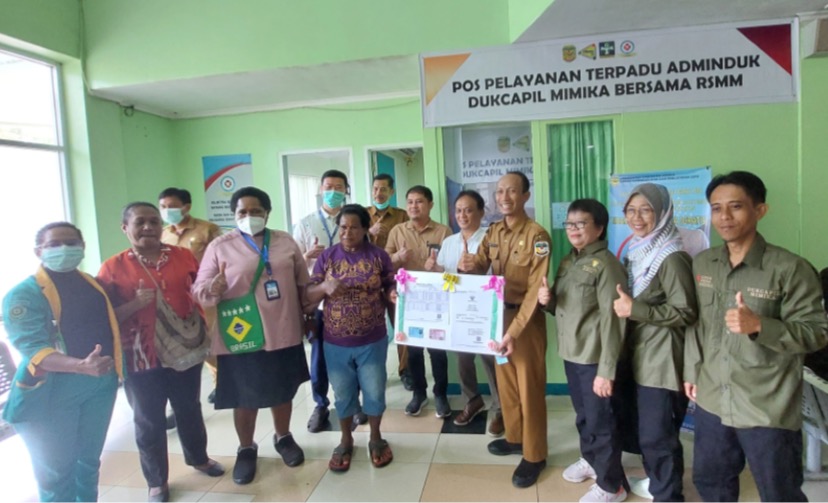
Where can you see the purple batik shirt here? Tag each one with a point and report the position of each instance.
(355, 316)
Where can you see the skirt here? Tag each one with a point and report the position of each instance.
(261, 379)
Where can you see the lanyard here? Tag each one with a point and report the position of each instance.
(324, 221)
(263, 252)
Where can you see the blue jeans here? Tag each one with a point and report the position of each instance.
(355, 369)
(318, 369)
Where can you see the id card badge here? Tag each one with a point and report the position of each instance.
(501, 360)
(272, 290)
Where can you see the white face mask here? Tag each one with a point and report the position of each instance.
(172, 216)
(251, 225)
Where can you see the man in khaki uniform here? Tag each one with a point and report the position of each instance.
(760, 312)
(517, 248)
(385, 217)
(410, 245)
(192, 233)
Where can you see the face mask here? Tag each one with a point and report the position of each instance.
(333, 198)
(382, 206)
(251, 225)
(172, 216)
(61, 258)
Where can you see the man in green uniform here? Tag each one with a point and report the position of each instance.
(760, 312)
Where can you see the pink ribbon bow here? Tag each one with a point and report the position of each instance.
(496, 283)
(403, 278)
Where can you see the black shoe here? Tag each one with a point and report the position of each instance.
(407, 381)
(290, 451)
(527, 473)
(171, 421)
(162, 496)
(318, 419)
(211, 398)
(443, 407)
(415, 406)
(501, 447)
(245, 468)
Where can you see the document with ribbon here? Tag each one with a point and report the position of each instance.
(455, 312)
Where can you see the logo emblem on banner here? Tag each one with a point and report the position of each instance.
(606, 49)
(228, 184)
(627, 48)
(569, 53)
(588, 51)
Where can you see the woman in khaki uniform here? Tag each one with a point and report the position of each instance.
(662, 305)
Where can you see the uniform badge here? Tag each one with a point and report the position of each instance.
(17, 312)
(541, 248)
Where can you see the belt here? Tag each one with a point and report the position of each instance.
(511, 306)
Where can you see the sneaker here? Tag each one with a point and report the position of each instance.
(171, 421)
(407, 381)
(640, 487)
(443, 408)
(415, 406)
(527, 473)
(496, 428)
(598, 495)
(470, 411)
(290, 451)
(579, 471)
(318, 419)
(245, 469)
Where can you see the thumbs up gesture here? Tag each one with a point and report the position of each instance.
(402, 254)
(314, 250)
(741, 320)
(219, 283)
(466, 263)
(144, 296)
(544, 293)
(623, 304)
(95, 364)
(431, 262)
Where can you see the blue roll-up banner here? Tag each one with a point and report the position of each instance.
(690, 208)
(223, 175)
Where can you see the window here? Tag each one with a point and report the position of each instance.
(303, 172)
(32, 160)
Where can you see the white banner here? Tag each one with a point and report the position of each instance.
(701, 66)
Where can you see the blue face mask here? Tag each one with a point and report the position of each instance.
(382, 206)
(62, 258)
(172, 216)
(333, 199)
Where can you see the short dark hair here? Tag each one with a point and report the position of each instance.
(752, 184)
(421, 189)
(335, 173)
(41, 233)
(131, 206)
(596, 209)
(182, 195)
(259, 194)
(385, 176)
(478, 199)
(524, 180)
(359, 212)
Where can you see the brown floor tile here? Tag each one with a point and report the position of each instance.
(450, 482)
(116, 466)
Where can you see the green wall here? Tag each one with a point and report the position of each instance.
(35, 25)
(522, 13)
(129, 41)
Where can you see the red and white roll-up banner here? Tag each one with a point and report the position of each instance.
(702, 66)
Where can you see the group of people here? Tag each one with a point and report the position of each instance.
(727, 329)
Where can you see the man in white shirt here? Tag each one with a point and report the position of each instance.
(469, 208)
(314, 233)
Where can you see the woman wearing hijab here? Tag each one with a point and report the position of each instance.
(662, 306)
(61, 401)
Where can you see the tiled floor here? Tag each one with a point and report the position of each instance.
(428, 465)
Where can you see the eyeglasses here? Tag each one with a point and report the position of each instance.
(644, 212)
(575, 225)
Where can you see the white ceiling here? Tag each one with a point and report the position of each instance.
(398, 77)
